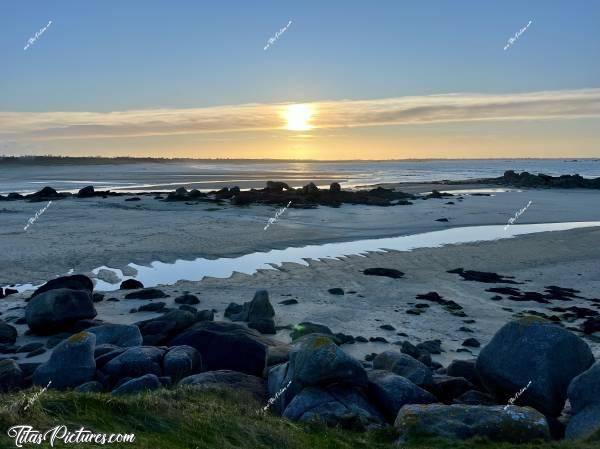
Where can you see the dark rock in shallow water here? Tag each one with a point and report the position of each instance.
(122, 335)
(391, 392)
(148, 382)
(591, 325)
(182, 361)
(187, 299)
(533, 349)
(431, 346)
(387, 327)
(288, 302)
(74, 282)
(30, 347)
(526, 179)
(58, 309)
(336, 291)
(131, 284)
(47, 193)
(8, 333)
(71, 363)
(482, 276)
(148, 293)
(342, 407)
(387, 272)
(228, 379)
(11, 376)
(468, 421)
(226, 346)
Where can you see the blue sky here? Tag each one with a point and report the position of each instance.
(102, 56)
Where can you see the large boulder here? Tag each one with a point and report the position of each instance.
(131, 284)
(584, 396)
(515, 424)
(159, 330)
(135, 362)
(337, 406)
(181, 361)
(11, 376)
(405, 366)
(71, 363)
(8, 333)
(86, 192)
(74, 282)
(58, 310)
(146, 293)
(317, 360)
(226, 346)
(121, 335)
(147, 382)
(584, 390)
(533, 349)
(391, 392)
(228, 379)
(307, 328)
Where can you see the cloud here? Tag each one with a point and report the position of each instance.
(458, 107)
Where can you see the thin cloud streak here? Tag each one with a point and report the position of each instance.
(459, 107)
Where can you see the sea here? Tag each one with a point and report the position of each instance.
(166, 175)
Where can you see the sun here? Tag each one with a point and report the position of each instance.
(298, 117)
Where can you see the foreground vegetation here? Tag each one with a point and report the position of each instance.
(185, 418)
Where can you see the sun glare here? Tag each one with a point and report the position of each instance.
(298, 117)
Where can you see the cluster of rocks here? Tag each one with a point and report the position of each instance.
(313, 378)
(526, 179)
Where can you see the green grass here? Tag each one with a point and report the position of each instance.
(185, 418)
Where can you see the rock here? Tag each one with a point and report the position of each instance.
(391, 392)
(29, 347)
(74, 282)
(181, 361)
(584, 390)
(148, 382)
(533, 349)
(319, 361)
(107, 276)
(405, 366)
(58, 310)
(264, 326)
(205, 315)
(288, 302)
(584, 424)
(147, 293)
(335, 187)
(226, 346)
(336, 406)
(11, 376)
(135, 362)
(464, 368)
(131, 284)
(591, 325)
(8, 333)
(187, 299)
(228, 379)
(277, 186)
(159, 330)
(152, 307)
(474, 397)
(431, 346)
(387, 272)
(387, 327)
(417, 353)
(336, 291)
(515, 425)
(448, 388)
(97, 297)
(86, 192)
(233, 310)
(306, 328)
(482, 276)
(310, 189)
(71, 363)
(93, 386)
(121, 335)
(471, 343)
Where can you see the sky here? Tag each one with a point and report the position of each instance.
(312, 79)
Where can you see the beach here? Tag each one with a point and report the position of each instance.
(83, 235)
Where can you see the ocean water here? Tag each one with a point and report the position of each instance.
(209, 175)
